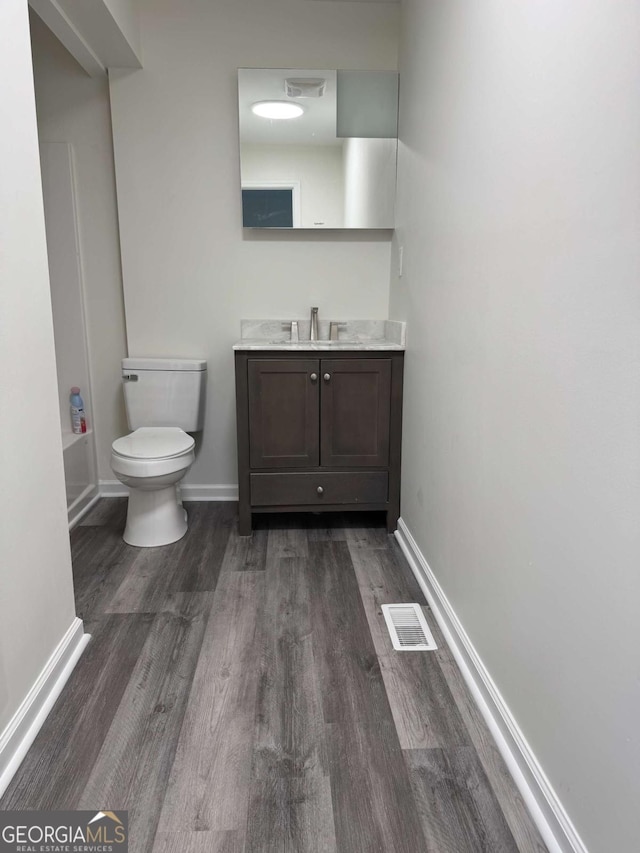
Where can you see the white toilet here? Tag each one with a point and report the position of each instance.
(164, 399)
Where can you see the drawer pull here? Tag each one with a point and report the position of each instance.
(314, 377)
(320, 490)
(327, 377)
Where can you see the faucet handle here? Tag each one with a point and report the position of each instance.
(334, 329)
(292, 327)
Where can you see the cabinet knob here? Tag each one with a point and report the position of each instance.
(320, 490)
(327, 377)
(314, 377)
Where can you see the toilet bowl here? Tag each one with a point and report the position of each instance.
(151, 461)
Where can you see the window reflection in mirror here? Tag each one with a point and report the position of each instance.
(333, 165)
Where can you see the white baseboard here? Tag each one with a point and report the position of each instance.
(81, 506)
(25, 724)
(188, 491)
(112, 489)
(215, 492)
(545, 806)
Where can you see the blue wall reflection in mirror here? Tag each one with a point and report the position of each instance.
(267, 208)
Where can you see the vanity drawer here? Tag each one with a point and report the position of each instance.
(346, 487)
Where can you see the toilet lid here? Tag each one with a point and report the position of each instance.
(154, 443)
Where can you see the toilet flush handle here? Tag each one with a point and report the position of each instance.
(129, 377)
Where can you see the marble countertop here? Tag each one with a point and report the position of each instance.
(359, 335)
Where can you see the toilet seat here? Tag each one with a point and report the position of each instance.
(150, 452)
(149, 443)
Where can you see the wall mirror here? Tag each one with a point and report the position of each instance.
(317, 148)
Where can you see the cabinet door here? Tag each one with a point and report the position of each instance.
(355, 412)
(283, 413)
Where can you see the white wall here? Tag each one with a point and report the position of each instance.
(316, 168)
(74, 108)
(519, 180)
(36, 594)
(190, 274)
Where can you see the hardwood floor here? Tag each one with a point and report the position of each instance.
(243, 695)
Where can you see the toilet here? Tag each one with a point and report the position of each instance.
(164, 399)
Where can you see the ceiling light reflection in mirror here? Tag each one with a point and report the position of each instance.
(277, 109)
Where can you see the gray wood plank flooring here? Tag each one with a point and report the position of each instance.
(209, 784)
(133, 766)
(245, 553)
(56, 769)
(242, 696)
(289, 724)
(198, 842)
(457, 806)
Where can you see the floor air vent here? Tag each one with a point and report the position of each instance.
(408, 628)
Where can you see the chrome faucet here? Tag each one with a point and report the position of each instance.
(313, 336)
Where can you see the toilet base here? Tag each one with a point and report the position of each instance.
(154, 518)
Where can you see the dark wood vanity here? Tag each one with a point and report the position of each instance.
(318, 431)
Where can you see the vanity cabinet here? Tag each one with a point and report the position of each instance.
(318, 433)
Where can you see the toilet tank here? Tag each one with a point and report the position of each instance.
(164, 392)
